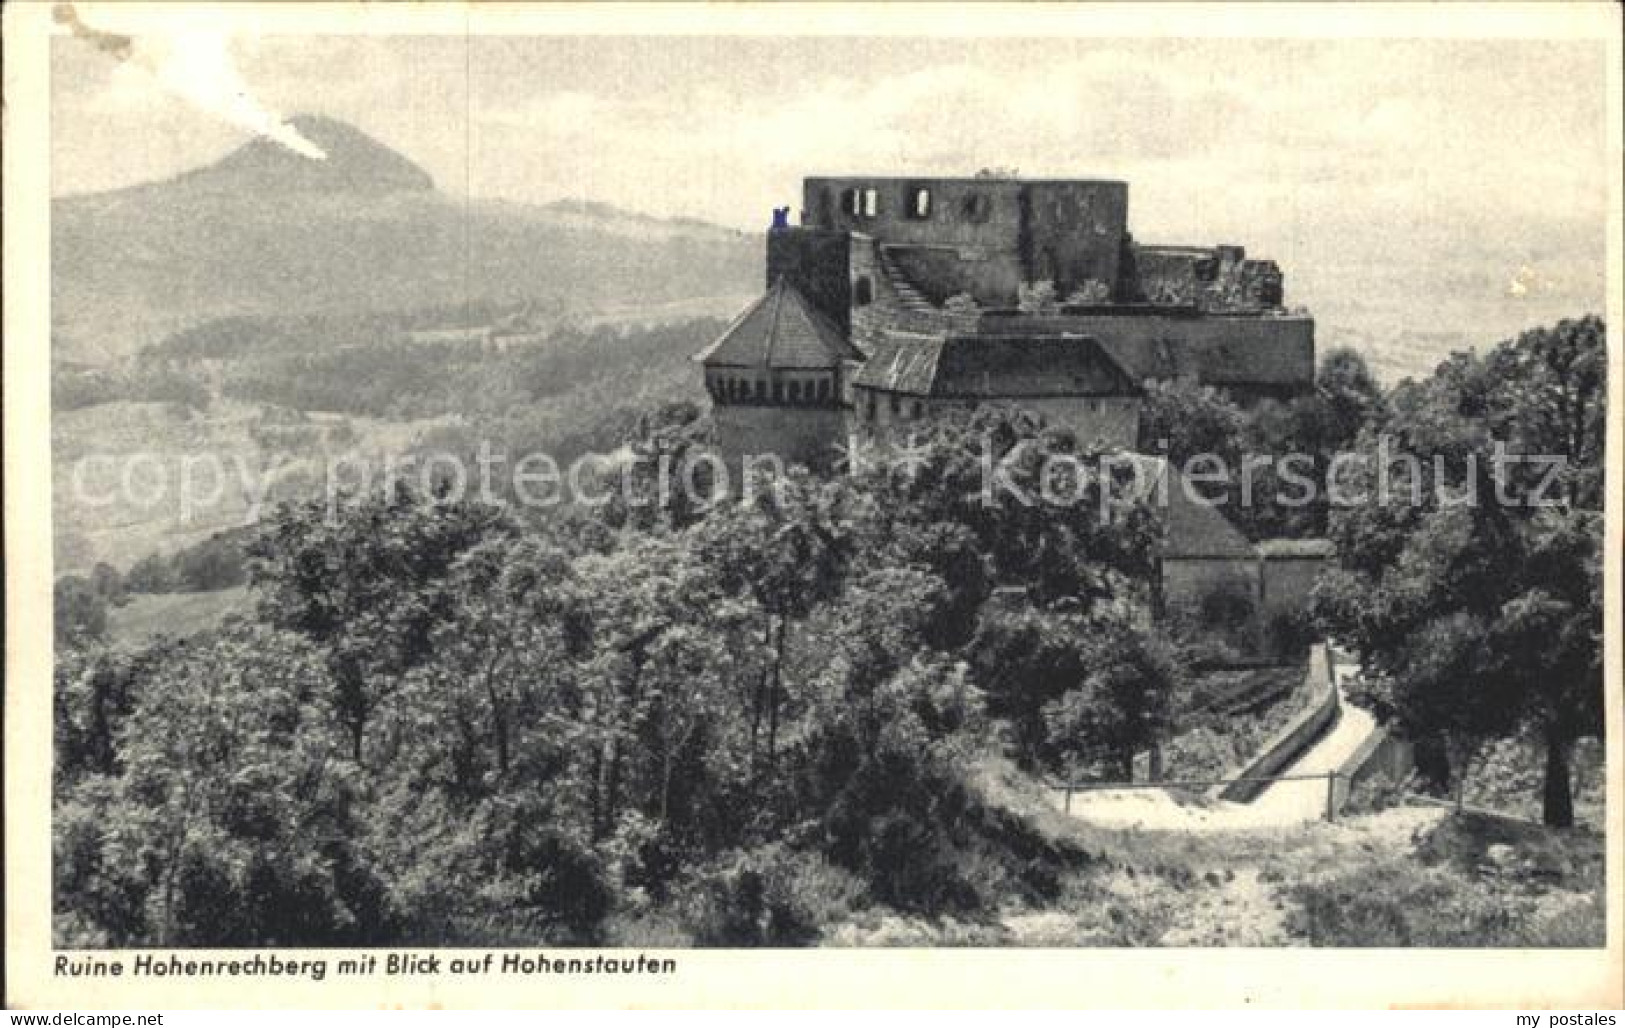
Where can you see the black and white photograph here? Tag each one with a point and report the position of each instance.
(607, 495)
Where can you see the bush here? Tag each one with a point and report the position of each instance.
(1395, 903)
(770, 896)
(215, 563)
(150, 574)
(1038, 297)
(1380, 792)
(1474, 881)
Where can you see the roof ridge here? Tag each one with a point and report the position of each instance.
(773, 321)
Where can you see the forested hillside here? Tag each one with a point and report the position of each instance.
(821, 713)
(277, 398)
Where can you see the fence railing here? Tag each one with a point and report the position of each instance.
(1335, 795)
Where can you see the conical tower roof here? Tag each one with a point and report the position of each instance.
(781, 330)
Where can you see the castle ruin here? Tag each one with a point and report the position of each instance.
(898, 298)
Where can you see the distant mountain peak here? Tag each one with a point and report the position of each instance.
(355, 163)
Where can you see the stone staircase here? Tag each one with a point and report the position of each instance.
(908, 295)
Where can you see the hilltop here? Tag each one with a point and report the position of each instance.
(264, 230)
(355, 164)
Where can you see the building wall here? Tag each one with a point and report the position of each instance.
(1113, 421)
(799, 435)
(1074, 233)
(817, 264)
(879, 411)
(1187, 581)
(956, 219)
(983, 236)
(1269, 355)
(1288, 583)
(795, 387)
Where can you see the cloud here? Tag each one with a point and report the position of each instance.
(195, 66)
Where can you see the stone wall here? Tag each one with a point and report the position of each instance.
(1074, 233)
(817, 264)
(807, 435)
(1252, 353)
(981, 236)
(1288, 582)
(1112, 421)
(1294, 737)
(1214, 279)
(1188, 581)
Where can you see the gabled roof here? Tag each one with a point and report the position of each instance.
(780, 330)
(983, 367)
(1266, 360)
(1191, 528)
(902, 365)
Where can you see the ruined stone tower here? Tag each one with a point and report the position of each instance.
(899, 298)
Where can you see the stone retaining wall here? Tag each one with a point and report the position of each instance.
(1293, 738)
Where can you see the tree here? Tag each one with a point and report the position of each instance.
(1180, 418)
(997, 498)
(666, 485)
(1549, 638)
(368, 585)
(107, 583)
(150, 574)
(1095, 689)
(515, 626)
(787, 547)
(232, 822)
(95, 689)
(80, 611)
(1123, 704)
(1549, 396)
(1475, 606)
(1348, 395)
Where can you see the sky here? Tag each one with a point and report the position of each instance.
(1342, 156)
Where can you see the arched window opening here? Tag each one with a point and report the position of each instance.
(863, 292)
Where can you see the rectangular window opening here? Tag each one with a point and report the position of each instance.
(919, 203)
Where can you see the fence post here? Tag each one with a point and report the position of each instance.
(1071, 778)
(1331, 796)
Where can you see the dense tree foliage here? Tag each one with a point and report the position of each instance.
(1276, 455)
(217, 562)
(734, 720)
(439, 725)
(1471, 583)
